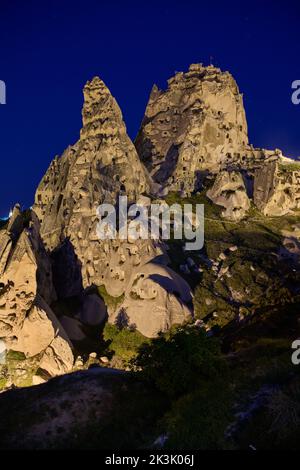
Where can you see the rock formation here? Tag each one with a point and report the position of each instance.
(197, 127)
(277, 187)
(229, 191)
(101, 166)
(27, 323)
(193, 136)
(156, 298)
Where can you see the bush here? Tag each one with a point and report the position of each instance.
(180, 361)
(123, 342)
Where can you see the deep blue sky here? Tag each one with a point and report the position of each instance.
(49, 49)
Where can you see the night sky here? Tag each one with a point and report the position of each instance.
(49, 49)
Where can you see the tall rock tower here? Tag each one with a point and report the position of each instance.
(100, 166)
(194, 126)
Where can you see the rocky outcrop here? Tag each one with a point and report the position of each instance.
(27, 323)
(277, 187)
(229, 191)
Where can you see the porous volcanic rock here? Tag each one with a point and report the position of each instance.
(194, 126)
(277, 187)
(101, 166)
(229, 191)
(27, 323)
(156, 299)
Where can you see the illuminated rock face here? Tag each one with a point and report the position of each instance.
(102, 165)
(229, 192)
(277, 187)
(27, 323)
(155, 299)
(197, 125)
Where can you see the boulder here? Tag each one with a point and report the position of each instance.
(93, 310)
(58, 357)
(155, 299)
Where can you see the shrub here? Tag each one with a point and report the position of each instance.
(180, 361)
(123, 342)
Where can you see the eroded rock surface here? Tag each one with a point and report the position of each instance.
(156, 299)
(197, 127)
(101, 166)
(229, 191)
(277, 187)
(27, 323)
(194, 126)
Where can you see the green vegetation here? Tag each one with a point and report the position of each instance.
(184, 352)
(254, 275)
(3, 377)
(210, 210)
(198, 420)
(109, 300)
(18, 369)
(290, 166)
(123, 342)
(188, 368)
(15, 356)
